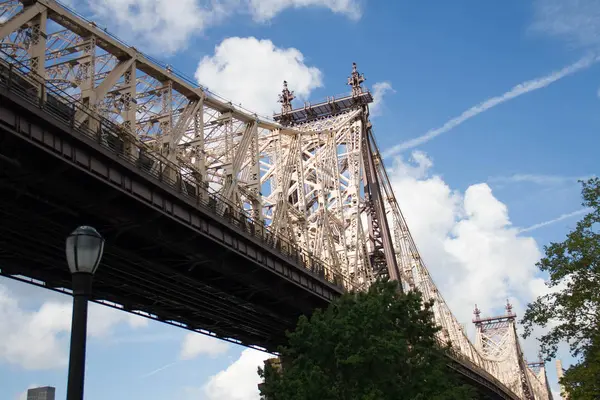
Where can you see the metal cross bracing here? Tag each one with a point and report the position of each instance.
(497, 340)
(359, 221)
(312, 177)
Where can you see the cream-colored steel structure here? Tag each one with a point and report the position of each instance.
(497, 340)
(306, 182)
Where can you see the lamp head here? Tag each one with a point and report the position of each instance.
(84, 250)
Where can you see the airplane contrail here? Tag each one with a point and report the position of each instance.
(516, 91)
(555, 220)
(159, 369)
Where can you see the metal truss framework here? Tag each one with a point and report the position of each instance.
(497, 341)
(313, 176)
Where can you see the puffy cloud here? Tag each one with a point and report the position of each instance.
(103, 320)
(470, 247)
(251, 72)
(160, 25)
(195, 344)
(239, 381)
(380, 89)
(264, 10)
(466, 239)
(38, 339)
(33, 340)
(165, 26)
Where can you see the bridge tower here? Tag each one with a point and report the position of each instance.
(539, 370)
(497, 341)
(331, 174)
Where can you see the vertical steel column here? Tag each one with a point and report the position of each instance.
(374, 190)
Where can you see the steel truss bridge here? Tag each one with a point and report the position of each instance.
(217, 220)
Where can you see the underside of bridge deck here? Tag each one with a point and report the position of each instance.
(152, 263)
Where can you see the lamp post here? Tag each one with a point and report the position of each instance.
(84, 249)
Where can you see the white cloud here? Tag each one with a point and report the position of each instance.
(162, 25)
(251, 72)
(195, 344)
(469, 245)
(380, 89)
(466, 239)
(102, 320)
(577, 21)
(165, 26)
(264, 10)
(239, 381)
(38, 339)
(516, 91)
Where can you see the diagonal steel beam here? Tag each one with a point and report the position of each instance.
(97, 94)
(20, 19)
(242, 150)
(373, 187)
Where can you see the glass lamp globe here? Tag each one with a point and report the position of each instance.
(84, 250)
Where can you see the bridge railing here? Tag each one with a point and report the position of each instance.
(18, 78)
(484, 376)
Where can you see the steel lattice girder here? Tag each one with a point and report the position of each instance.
(497, 340)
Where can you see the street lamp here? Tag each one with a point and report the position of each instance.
(84, 249)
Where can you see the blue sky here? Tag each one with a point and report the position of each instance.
(512, 166)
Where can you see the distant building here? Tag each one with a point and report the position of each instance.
(41, 393)
(559, 374)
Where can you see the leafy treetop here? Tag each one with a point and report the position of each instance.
(373, 345)
(572, 308)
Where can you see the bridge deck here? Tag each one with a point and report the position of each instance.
(165, 256)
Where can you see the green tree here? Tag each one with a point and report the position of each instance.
(372, 345)
(572, 308)
(582, 381)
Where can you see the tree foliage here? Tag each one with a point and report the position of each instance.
(571, 310)
(582, 381)
(373, 345)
